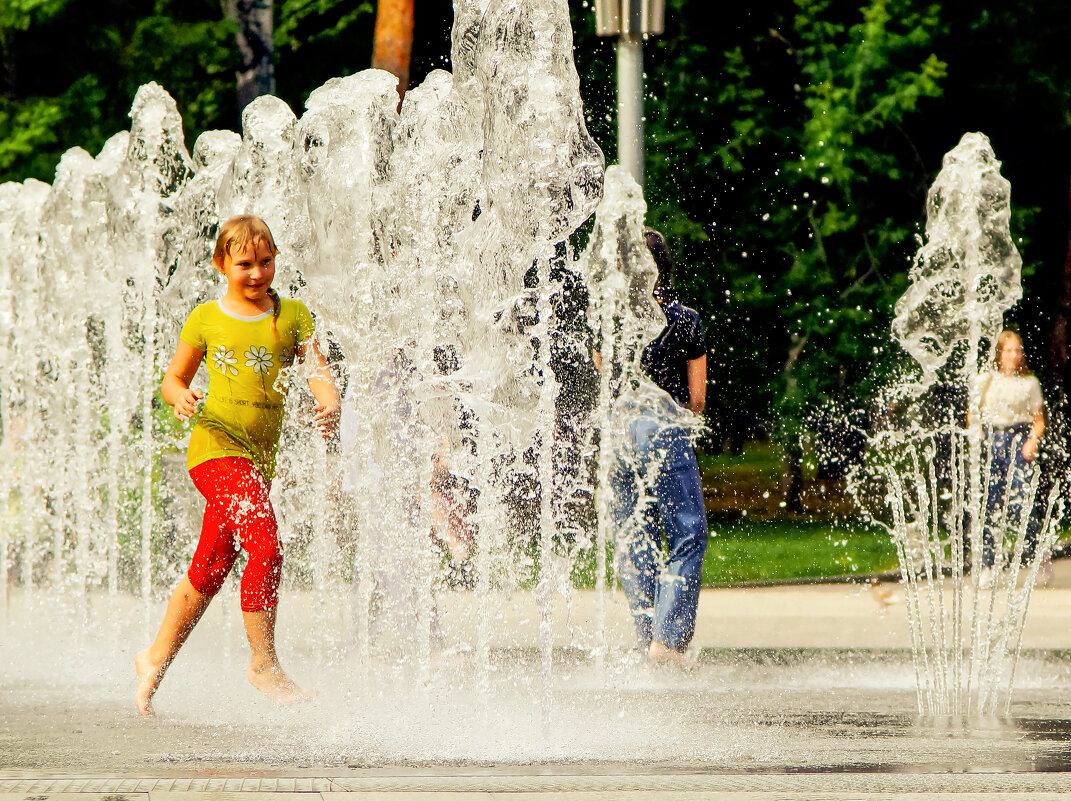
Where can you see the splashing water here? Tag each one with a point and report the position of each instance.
(432, 243)
(932, 474)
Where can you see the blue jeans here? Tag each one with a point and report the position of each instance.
(1008, 470)
(662, 594)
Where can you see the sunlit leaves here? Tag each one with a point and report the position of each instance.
(20, 15)
(70, 70)
(821, 134)
(738, 92)
(25, 127)
(303, 22)
(33, 130)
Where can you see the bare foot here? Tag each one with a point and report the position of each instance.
(149, 676)
(661, 654)
(274, 683)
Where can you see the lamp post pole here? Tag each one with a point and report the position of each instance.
(630, 105)
(630, 21)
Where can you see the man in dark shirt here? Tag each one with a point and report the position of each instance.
(663, 593)
(679, 352)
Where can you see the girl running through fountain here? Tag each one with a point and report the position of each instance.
(250, 334)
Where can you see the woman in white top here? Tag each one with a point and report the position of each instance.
(1011, 410)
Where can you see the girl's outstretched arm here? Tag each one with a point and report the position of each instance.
(323, 389)
(176, 384)
(697, 384)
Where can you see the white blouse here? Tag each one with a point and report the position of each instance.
(1006, 400)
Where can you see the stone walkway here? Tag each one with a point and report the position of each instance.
(661, 787)
(833, 618)
(839, 616)
(853, 616)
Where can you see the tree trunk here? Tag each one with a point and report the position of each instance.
(393, 42)
(792, 478)
(256, 76)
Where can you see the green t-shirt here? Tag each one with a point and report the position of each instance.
(243, 412)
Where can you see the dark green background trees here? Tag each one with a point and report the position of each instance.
(790, 147)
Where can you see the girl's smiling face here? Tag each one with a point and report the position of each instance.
(249, 270)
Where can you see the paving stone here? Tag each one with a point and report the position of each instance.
(859, 783)
(428, 787)
(45, 795)
(254, 793)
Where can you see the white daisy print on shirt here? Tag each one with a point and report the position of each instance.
(225, 360)
(259, 359)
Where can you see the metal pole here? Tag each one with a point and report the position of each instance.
(630, 105)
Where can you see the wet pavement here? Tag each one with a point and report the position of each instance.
(795, 692)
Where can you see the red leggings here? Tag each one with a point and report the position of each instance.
(237, 514)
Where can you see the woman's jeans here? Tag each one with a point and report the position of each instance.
(662, 592)
(1008, 470)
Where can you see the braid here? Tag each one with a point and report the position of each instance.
(276, 307)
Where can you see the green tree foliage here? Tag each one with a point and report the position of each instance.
(822, 232)
(316, 40)
(1009, 76)
(782, 167)
(789, 146)
(70, 69)
(838, 235)
(305, 23)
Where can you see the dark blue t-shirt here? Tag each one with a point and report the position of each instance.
(666, 359)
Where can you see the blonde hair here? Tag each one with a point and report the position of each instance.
(244, 230)
(1002, 342)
